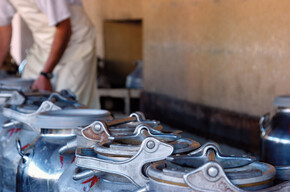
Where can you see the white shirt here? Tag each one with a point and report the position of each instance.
(55, 10)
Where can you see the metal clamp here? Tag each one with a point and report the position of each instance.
(151, 150)
(138, 115)
(141, 132)
(29, 119)
(99, 130)
(59, 97)
(211, 177)
(210, 152)
(17, 98)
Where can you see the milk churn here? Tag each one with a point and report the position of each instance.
(7, 87)
(23, 107)
(9, 84)
(46, 158)
(9, 157)
(206, 169)
(117, 160)
(275, 134)
(74, 179)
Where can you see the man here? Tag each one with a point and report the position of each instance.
(63, 53)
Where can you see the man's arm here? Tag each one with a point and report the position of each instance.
(61, 39)
(5, 40)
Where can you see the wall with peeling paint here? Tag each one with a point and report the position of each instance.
(229, 54)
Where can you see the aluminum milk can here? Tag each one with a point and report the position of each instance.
(9, 84)
(9, 157)
(275, 134)
(206, 169)
(23, 107)
(120, 162)
(48, 156)
(127, 130)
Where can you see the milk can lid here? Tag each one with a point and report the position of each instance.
(14, 81)
(282, 101)
(69, 118)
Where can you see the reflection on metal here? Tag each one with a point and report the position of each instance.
(275, 135)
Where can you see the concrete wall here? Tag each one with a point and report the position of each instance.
(100, 10)
(229, 54)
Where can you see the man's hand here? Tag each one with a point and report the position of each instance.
(42, 84)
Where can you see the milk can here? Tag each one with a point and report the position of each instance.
(77, 179)
(50, 153)
(206, 169)
(7, 87)
(23, 107)
(9, 84)
(9, 157)
(275, 134)
(116, 162)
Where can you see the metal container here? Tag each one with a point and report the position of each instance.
(9, 84)
(100, 142)
(49, 155)
(124, 173)
(275, 135)
(23, 107)
(16, 82)
(9, 157)
(207, 169)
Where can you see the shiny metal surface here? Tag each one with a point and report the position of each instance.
(44, 166)
(13, 130)
(146, 154)
(275, 137)
(210, 152)
(53, 151)
(69, 118)
(114, 146)
(206, 171)
(14, 81)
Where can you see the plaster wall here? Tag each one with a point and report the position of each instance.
(229, 54)
(100, 11)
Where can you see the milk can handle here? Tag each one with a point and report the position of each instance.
(264, 120)
(70, 146)
(84, 174)
(11, 123)
(19, 149)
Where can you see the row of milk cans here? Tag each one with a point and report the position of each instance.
(51, 142)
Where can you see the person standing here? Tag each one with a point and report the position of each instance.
(63, 53)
